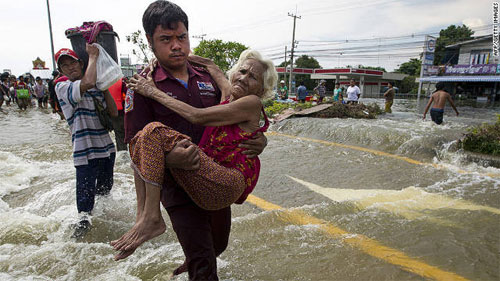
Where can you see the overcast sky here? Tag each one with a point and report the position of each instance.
(328, 30)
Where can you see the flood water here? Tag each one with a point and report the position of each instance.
(357, 212)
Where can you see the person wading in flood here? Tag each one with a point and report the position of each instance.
(203, 234)
(93, 149)
(439, 98)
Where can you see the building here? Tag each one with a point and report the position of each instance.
(370, 82)
(471, 70)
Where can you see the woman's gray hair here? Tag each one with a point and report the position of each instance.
(270, 76)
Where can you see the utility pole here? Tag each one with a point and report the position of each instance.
(285, 63)
(51, 39)
(293, 48)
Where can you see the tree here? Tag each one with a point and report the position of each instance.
(372, 67)
(411, 67)
(143, 53)
(224, 54)
(407, 85)
(451, 35)
(303, 61)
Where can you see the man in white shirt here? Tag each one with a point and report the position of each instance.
(93, 149)
(353, 93)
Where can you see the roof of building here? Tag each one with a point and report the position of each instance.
(477, 39)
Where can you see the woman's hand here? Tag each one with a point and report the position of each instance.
(200, 61)
(143, 86)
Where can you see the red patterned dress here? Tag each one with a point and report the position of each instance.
(225, 176)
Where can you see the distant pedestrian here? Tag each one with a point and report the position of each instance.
(22, 93)
(353, 93)
(389, 97)
(321, 90)
(439, 98)
(41, 92)
(301, 93)
(282, 91)
(337, 93)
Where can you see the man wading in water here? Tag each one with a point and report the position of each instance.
(202, 234)
(93, 149)
(439, 98)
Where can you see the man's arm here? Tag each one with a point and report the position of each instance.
(90, 76)
(452, 103)
(428, 106)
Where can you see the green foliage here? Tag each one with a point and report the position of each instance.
(407, 85)
(371, 67)
(272, 107)
(143, 53)
(224, 54)
(483, 139)
(411, 67)
(305, 61)
(359, 111)
(337, 110)
(451, 35)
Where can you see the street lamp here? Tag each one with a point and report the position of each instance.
(51, 39)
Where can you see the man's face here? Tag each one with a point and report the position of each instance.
(171, 46)
(39, 82)
(70, 67)
(352, 83)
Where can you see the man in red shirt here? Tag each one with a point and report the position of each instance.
(202, 234)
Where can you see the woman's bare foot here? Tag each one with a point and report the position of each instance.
(123, 254)
(144, 230)
(118, 242)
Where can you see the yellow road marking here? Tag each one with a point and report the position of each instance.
(379, 153)
(365, 244)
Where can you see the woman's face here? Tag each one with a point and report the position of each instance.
(248, 80)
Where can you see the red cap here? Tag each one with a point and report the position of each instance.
(65, 52)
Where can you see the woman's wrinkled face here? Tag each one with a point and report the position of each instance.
(248, 80)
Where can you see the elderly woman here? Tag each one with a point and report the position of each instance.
(225, 175)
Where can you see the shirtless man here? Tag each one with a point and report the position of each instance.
(439, 97)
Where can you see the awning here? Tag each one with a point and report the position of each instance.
(476, 78)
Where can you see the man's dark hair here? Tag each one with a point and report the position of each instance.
(38, 78)
(337, 83)
(55, 73)
(163, 13)
(391, 83)
(439, 86)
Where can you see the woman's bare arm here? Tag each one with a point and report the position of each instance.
(241, 110)
(216, 73)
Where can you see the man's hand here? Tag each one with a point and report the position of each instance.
(184, 156)
(92, 50)
(423, 117)
(254, 146)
